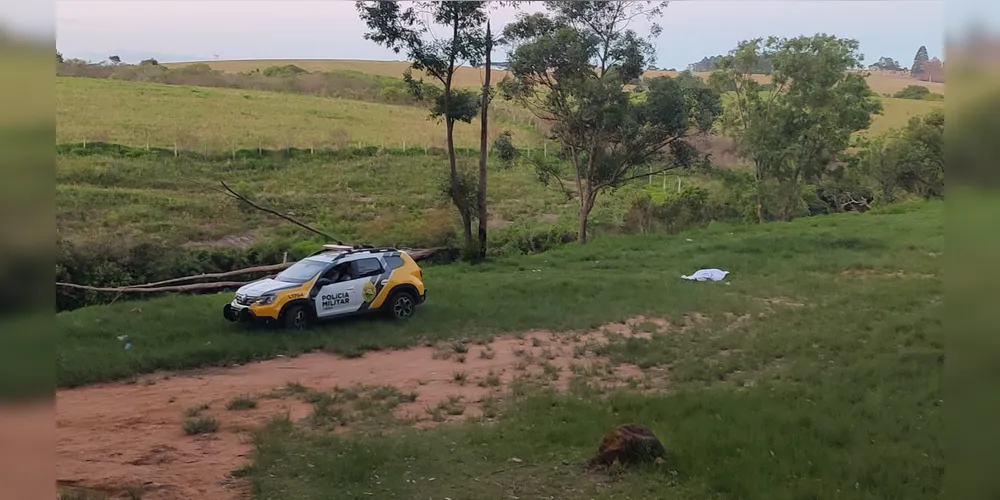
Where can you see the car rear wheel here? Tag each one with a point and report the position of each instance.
(297, 318)
(401, 305)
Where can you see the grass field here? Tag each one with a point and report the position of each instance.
(217, 119)
(897, 112)
(375, 199)
(473, 77)
(814, 373)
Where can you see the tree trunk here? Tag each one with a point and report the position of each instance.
(456, 194)
(481, 193)
(586, 205)
(760, 193)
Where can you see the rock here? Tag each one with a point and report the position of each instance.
(628, 445)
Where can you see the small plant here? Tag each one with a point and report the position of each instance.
(453, 406)
(490, 407)
(579, 351)
(241, 402)
(200, 425)
(486, 354)
(548, 354)
(460, 358)
(436, 413)
(521, 366)
(348, 394)
(491, 380)
(134, 492)
(550, 370)
(536, 342)
(460, 347)
(326, 414)
(519, 352)
(194, 411)
(460, 377)
(312, 397)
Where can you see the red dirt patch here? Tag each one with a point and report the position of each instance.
(113, 435)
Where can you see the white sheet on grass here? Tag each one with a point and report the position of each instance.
(707, 275)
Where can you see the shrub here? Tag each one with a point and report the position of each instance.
(285, 71)
(918, 92)
(200, 425)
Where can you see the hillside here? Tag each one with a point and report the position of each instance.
(220, 120)
(207, 119)
(473, 77)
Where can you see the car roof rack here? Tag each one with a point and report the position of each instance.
(348, 249)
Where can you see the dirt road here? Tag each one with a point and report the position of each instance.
(112, 437)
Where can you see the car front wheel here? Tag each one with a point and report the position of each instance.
(297, 318)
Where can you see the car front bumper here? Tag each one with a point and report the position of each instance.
(242, 315)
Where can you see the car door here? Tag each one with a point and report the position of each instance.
(368, 270)
(340, 296)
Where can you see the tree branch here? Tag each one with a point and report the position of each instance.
(162, 289)
(244, 199)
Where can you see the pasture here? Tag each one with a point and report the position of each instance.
(220, 120)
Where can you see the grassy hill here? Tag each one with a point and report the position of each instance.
(219, 119)
(390, 199)
(473, 77)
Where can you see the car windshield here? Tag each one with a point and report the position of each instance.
(301, 272)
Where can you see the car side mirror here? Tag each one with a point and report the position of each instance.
(323, 282)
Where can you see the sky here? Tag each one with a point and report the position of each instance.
(178, 30)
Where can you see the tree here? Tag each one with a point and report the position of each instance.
(410, 31)
(149, 62)
(59, 57)
(797, 130)
(484, 107)
(909, 159)
(115, 60)
(918, 61)
(570, 67)
(886, 64)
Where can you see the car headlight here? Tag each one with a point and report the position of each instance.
(265, 300)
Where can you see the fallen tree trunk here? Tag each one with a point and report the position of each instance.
(158, 286)
(178, 288)
(237, 272)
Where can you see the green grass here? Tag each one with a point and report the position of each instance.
(834, 393)
(897, 112)
(392, 199)
(570, 288)
(219, 119)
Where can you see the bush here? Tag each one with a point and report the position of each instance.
(693, 207)
(918, 92)
(525, 239)
(285, 71)
(505, 150)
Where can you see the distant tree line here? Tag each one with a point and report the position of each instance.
(761, 67)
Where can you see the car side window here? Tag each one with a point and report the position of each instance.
(394, 261)
(338, 273)
(368, 268)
